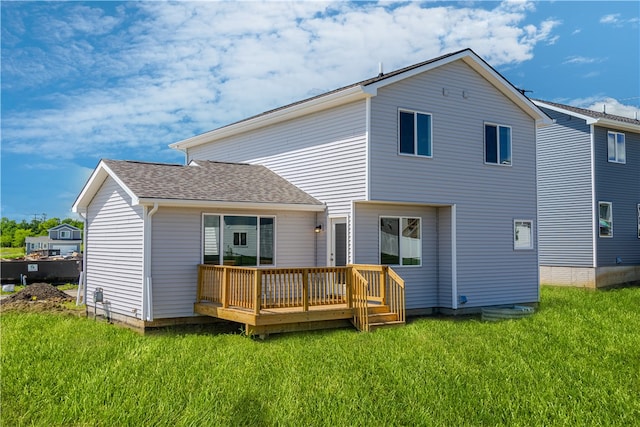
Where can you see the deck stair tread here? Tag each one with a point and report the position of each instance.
(379, 325)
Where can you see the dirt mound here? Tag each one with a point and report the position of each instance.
(37, 292)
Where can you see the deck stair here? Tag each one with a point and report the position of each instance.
(380, 316)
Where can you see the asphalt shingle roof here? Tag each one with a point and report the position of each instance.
(208, 181)
(591, 113)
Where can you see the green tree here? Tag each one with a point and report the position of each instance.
(19, 236)
(7, 229)
(44, 226)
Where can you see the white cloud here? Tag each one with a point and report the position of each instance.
(602, 103)
(582, 60)
(610, 19)
(154, 72)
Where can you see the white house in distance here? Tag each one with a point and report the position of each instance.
(430, 169)
(63, 239)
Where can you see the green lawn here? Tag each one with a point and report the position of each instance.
(575, 362)
(11, 253)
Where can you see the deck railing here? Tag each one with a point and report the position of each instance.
(256, 289)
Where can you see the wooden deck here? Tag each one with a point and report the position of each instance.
(268, 300)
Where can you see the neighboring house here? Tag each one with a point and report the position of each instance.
(64, 238)
(429, 169)
(589, 197)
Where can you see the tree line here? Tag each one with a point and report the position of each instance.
(13, 233)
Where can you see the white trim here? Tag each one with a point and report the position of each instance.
(400, 218)
(94, 183)
(415, 132)
(484, 137)
(531, 237)
(147, 291)
(615, 145)
(359, 92)
(233, 205)
(220, 237)
(610, 204)
(367, 187)
(323, 102)
(600, 121)
(454, 258)
(331, 221)
(595, 215)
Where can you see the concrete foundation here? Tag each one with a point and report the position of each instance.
(589, 277)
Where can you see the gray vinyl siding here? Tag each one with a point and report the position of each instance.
(323, 153)
(421, 283)
(176, 251)
(114, 249)
(445, 274)
(620, 185)
(488, 197)
(564, 192)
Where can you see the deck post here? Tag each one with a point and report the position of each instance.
(305, 289)
(257, 290)
(349, 285)
(383, 284)
(200, 284)
(225, 287)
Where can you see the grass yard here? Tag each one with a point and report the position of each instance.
(575, 362)
(11, 253)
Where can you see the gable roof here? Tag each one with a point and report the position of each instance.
(60, 226)
(366, 89)
(201, 183)
(592, 117)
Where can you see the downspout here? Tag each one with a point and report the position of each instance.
(147, 295)
(454, 260)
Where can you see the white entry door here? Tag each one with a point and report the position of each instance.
(338, 242)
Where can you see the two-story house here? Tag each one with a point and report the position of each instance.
(429, 169)
(63, 239)
(589, 197)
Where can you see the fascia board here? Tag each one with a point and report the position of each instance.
(231, 205)
(588, 119)
(598, 121)
(94, 183)
(482, 68)
(614, 124)
(342, 97)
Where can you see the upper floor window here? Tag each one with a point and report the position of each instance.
(615, 147)
(497, 144)
(605, 219)
(65, 234)
(415, 133)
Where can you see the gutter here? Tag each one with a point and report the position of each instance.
(147, 288)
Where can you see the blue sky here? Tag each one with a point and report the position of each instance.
(83, 81)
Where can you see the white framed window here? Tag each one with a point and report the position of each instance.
(522, 234)
(400, 241)
(65, 234)
(605, 219)
(616, 147)
(497, 144)
(241, 240)
(414, 133)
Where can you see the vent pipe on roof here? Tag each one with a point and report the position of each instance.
(380, 72)
(604, 108)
